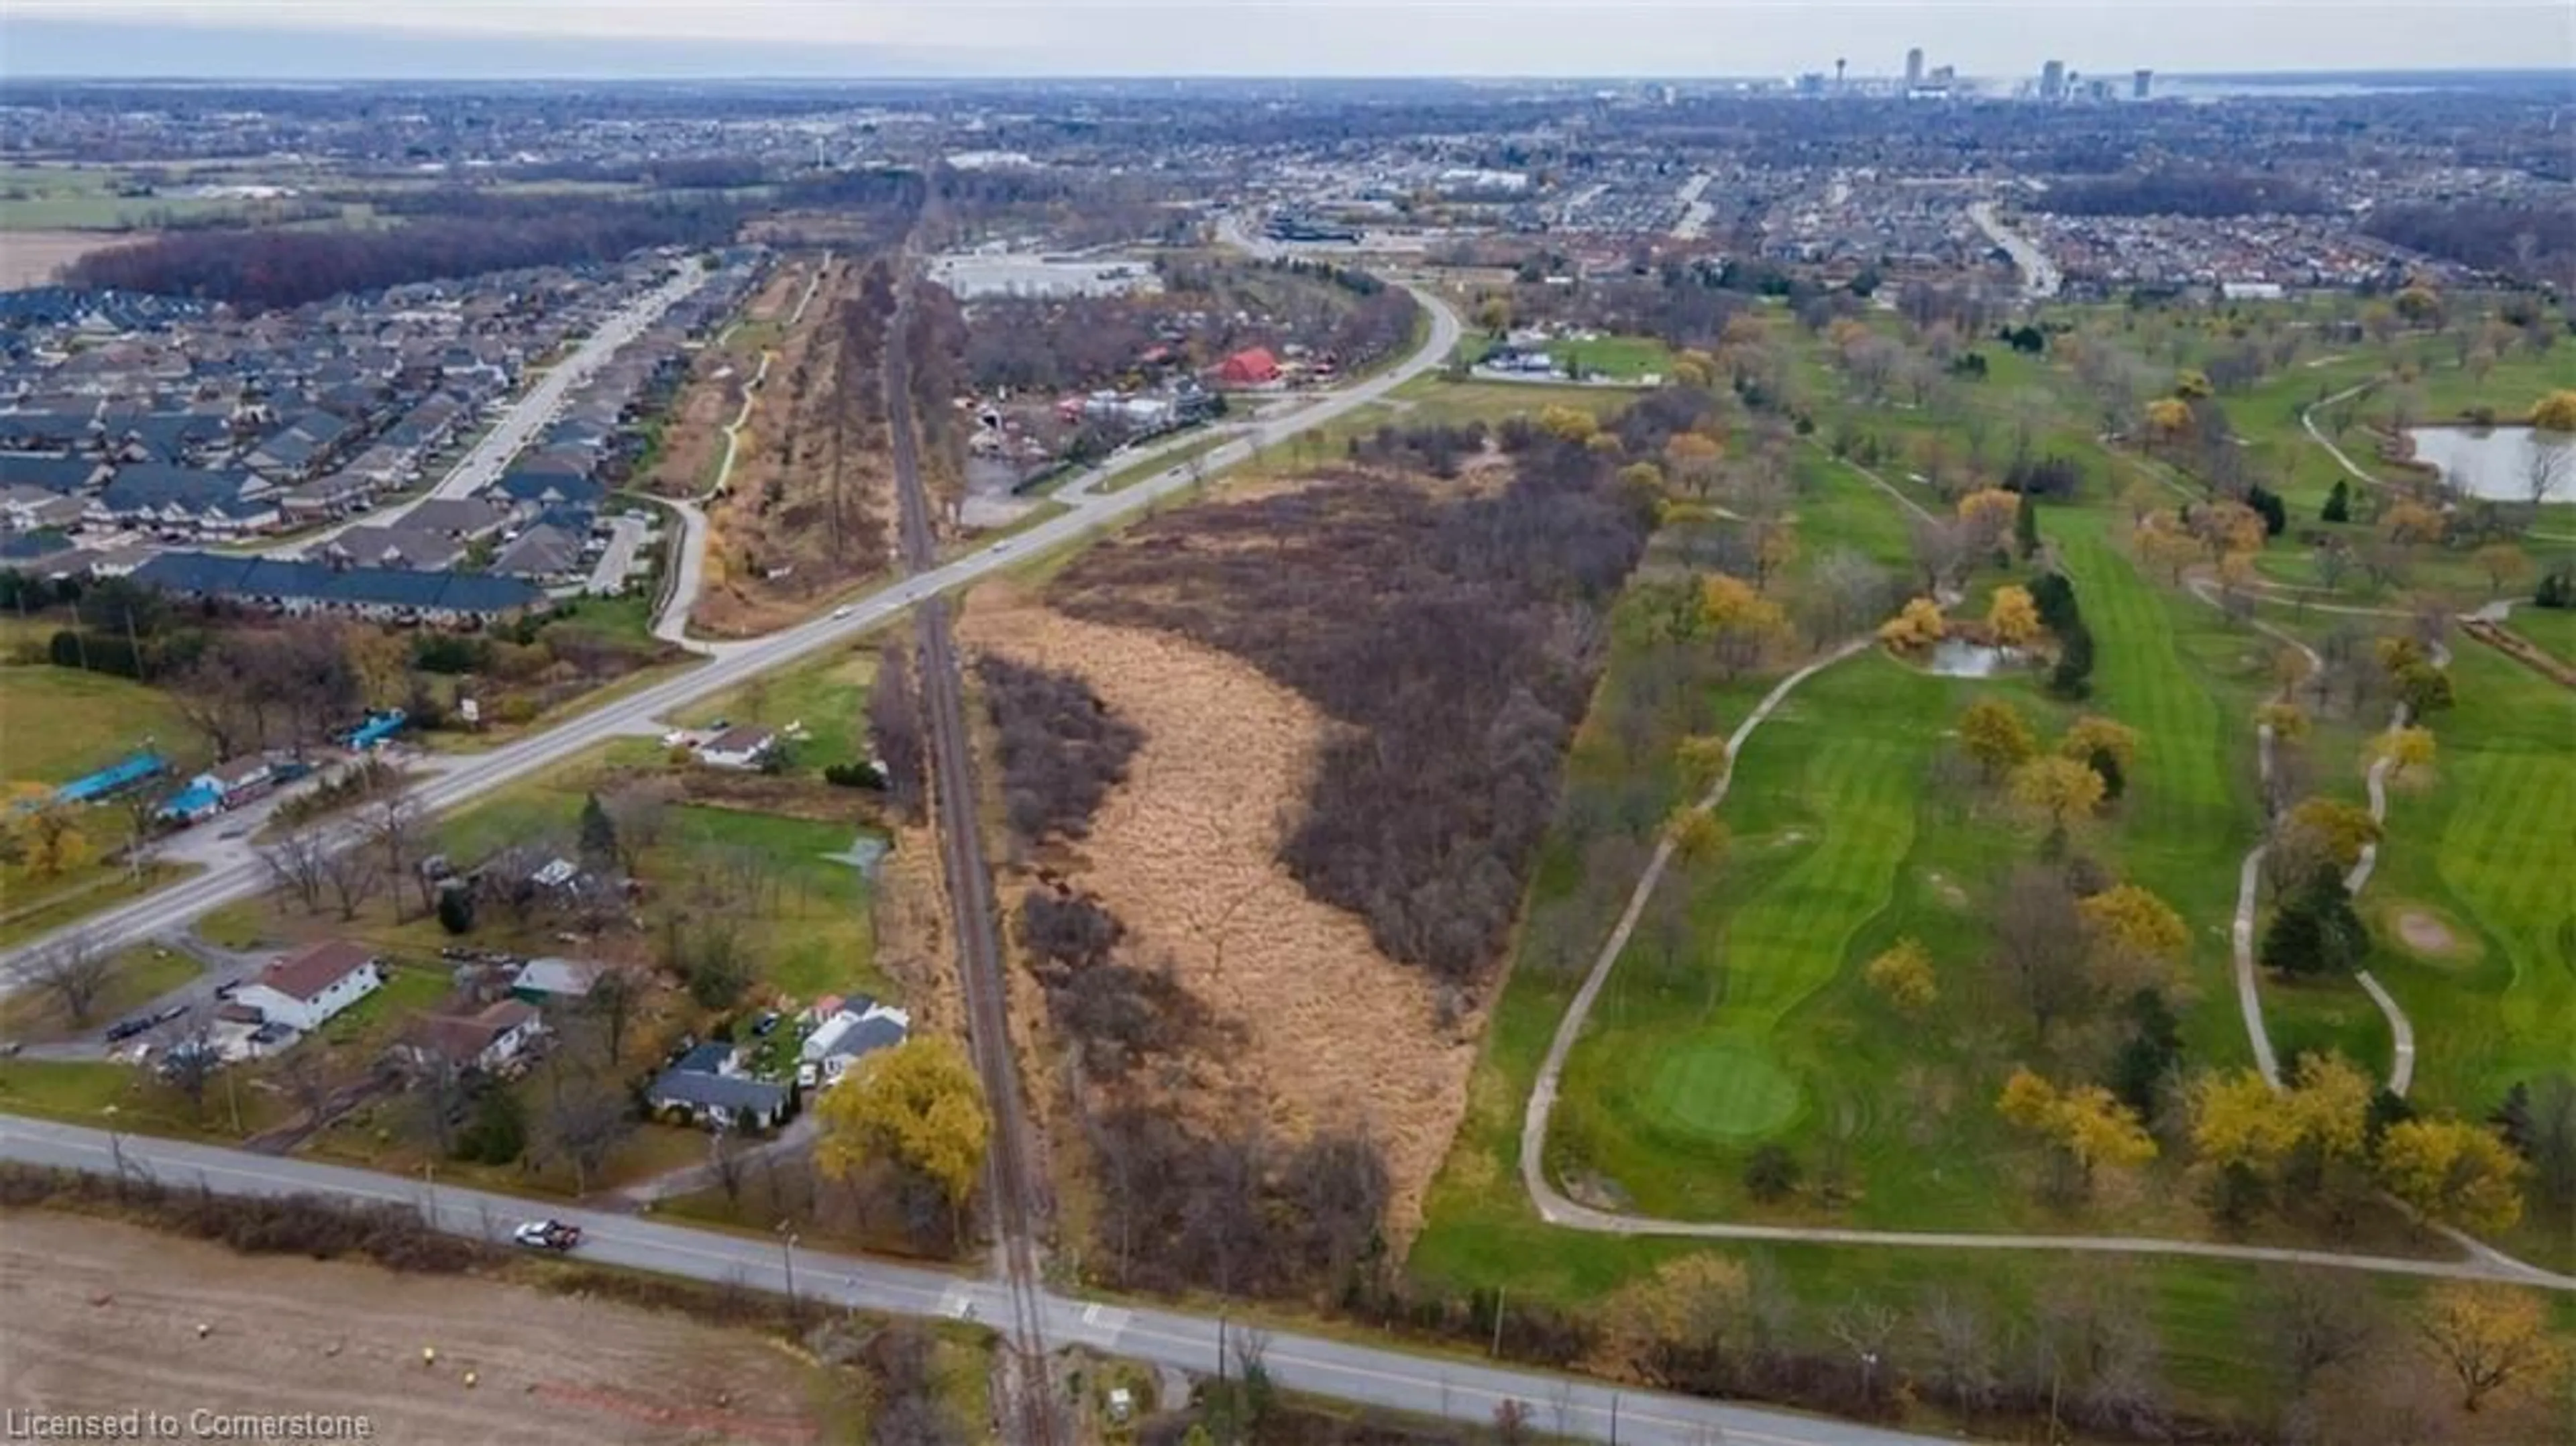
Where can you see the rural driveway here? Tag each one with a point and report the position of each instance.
(1455, 1389)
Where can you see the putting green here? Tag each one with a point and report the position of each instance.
(1724, 1087)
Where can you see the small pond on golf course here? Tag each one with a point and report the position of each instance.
(2492, 462)
(1959, 658)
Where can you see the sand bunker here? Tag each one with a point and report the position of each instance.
(2425, 934)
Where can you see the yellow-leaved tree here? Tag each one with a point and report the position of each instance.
(918, 1106)
(1744, 628)
(40, 832)
(2495, 1340)
(2334, 828)
(2058, 792)
(1917, 626)
(1994, 733)
(2249, 1139)
(1986, 518)
(2012, 617)
(1570, 423)
(1903, 976)
(1702, 758)
(2087, 1125)
(2453, 1171)
(2093, 734)
(2136, 938)
(1692, 1304)
(1698, 836)
(2555, 412)
(2288, 722)
(2406, 748)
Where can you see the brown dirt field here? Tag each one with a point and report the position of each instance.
(1185, 854)
(777, 296)
(103, 1317)
(30, 258)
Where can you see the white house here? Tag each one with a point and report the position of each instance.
(238, 781)
(306, 990)
(742, 746)
(492, 1038)
(857, 1029)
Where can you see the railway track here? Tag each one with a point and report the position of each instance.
(1016, 1191)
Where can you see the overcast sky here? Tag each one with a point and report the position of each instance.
(1280, 37)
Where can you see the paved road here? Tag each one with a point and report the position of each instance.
(1459, 1390)
(2040, 278)
(234, 871)
(2308, 421)
(534, 411)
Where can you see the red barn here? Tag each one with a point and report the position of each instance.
(1251, 367)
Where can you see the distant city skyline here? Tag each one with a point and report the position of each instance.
(307, 39)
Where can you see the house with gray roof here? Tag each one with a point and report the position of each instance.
(541, 555)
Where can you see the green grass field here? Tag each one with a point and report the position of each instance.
(57, 724)
(1739, 1016)
(827, 694)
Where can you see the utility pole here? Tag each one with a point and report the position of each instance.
(1497, 1350)
(787, 1249)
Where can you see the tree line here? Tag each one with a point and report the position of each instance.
(273, 268)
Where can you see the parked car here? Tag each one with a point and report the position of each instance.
(767, 1021)
(125, 1029)
(547, 1235)
(228, 989)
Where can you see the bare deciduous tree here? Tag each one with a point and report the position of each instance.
(2039, 946)
(352, 875)
(75, 970)
(585, 1116)
(2315, 1320)
(641, 813)
(296, 864)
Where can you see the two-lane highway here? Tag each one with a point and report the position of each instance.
(1457, 1389)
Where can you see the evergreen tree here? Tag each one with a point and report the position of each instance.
(2149, 1054)
(2026, 527)
(456, 910)
(2338, 506)
(2107, 764)
(598, 835)
(2512, 1119)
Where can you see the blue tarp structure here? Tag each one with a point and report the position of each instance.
(192, 803)
(108, 782)
(377, 729)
